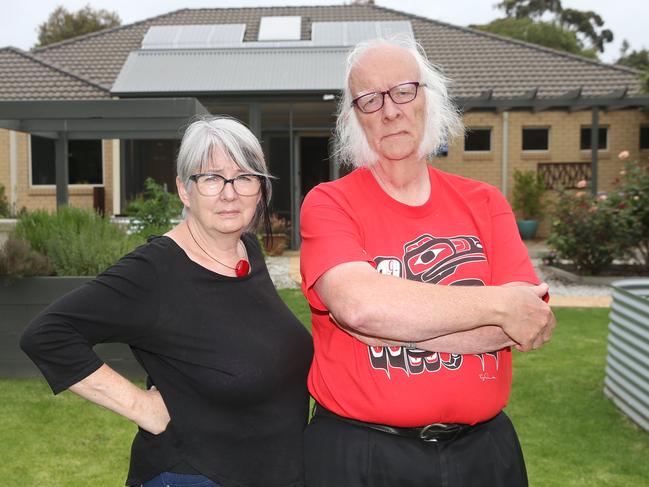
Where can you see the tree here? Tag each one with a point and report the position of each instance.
(546, 34)
(636, 59)
(585, 25)
(62, 24)
(520, 9)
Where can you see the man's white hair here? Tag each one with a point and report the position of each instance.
(443, 119)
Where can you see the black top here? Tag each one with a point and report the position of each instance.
(227, 355)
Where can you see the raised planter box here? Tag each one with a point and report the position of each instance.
(566, 275)
(627, 361)
(6, 227)
(20, 301)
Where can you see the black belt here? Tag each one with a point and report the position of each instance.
(430, 433)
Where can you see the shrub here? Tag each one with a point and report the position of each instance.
(633, 196)
(4, 204)
(589, 231)
(153, 210)
(77, 241)
(18, 259)
(528, 192)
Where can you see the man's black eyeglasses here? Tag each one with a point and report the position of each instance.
(399, 94)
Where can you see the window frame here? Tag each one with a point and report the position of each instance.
(646, 127)
(532, 151)
(473, 129)
(601, 127)
(70, 185)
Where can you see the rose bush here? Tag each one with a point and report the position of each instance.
(589, 231)
(592, 231)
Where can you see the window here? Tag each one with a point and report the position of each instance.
(477, 140)
(442, 150)
(536, 138)
(585, 138)
(84, 161)
(43, 154)
(644, 137)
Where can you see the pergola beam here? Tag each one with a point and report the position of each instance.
(64, 120)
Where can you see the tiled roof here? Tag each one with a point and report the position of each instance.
(474, 60)
(25, 77)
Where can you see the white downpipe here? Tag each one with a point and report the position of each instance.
(504, 164)
(13, 170)
(117, 197)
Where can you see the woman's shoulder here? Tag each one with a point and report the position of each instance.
(147, 257)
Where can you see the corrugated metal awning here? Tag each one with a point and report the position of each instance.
(200, 71)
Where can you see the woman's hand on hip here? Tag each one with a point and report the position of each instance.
(152, 414)
(105, 387)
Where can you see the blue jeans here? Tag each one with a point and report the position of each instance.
(170, 479)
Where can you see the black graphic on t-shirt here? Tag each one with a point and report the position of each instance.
(428, 259)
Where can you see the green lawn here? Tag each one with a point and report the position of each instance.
(571, 434)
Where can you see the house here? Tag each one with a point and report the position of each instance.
(86, 120)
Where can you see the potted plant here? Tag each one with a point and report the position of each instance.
(279, 238)
(529, 189)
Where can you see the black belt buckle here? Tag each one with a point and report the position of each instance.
(439, 432)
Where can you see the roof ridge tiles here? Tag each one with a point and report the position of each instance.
(55, 67)
(260, 7)
(174, 12)
(511, 40)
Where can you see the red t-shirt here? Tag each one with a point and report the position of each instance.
(465, 234)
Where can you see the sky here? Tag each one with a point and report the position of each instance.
(626, 18)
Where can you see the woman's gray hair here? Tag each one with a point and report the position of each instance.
(205, 135)
(443, 119)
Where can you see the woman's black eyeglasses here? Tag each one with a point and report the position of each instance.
(211, 184)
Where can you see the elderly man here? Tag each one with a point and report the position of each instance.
(418, 285)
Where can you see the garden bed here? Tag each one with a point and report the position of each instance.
(614, 272)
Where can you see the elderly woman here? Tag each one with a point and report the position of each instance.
(226, 401)
(418, 284)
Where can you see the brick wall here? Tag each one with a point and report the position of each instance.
(35, 197)
(564, 145)
(484, 166)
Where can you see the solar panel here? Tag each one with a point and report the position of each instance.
(351, 33)
(194, 36)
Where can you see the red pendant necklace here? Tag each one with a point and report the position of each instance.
(241, 269)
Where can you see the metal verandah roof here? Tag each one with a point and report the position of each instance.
(97, 119)
(296, 69)
(101, 119)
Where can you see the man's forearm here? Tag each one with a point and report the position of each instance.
(479, 340)
(399, 309)
(402, 310)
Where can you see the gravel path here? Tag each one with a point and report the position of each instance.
(278, 268)
(565, 288)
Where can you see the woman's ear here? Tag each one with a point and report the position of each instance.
(182, 192)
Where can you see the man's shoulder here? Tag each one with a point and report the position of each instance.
(346, 186)
(464, 185)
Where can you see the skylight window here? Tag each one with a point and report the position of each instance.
(280, 28)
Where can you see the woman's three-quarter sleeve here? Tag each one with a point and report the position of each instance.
(119, 306)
